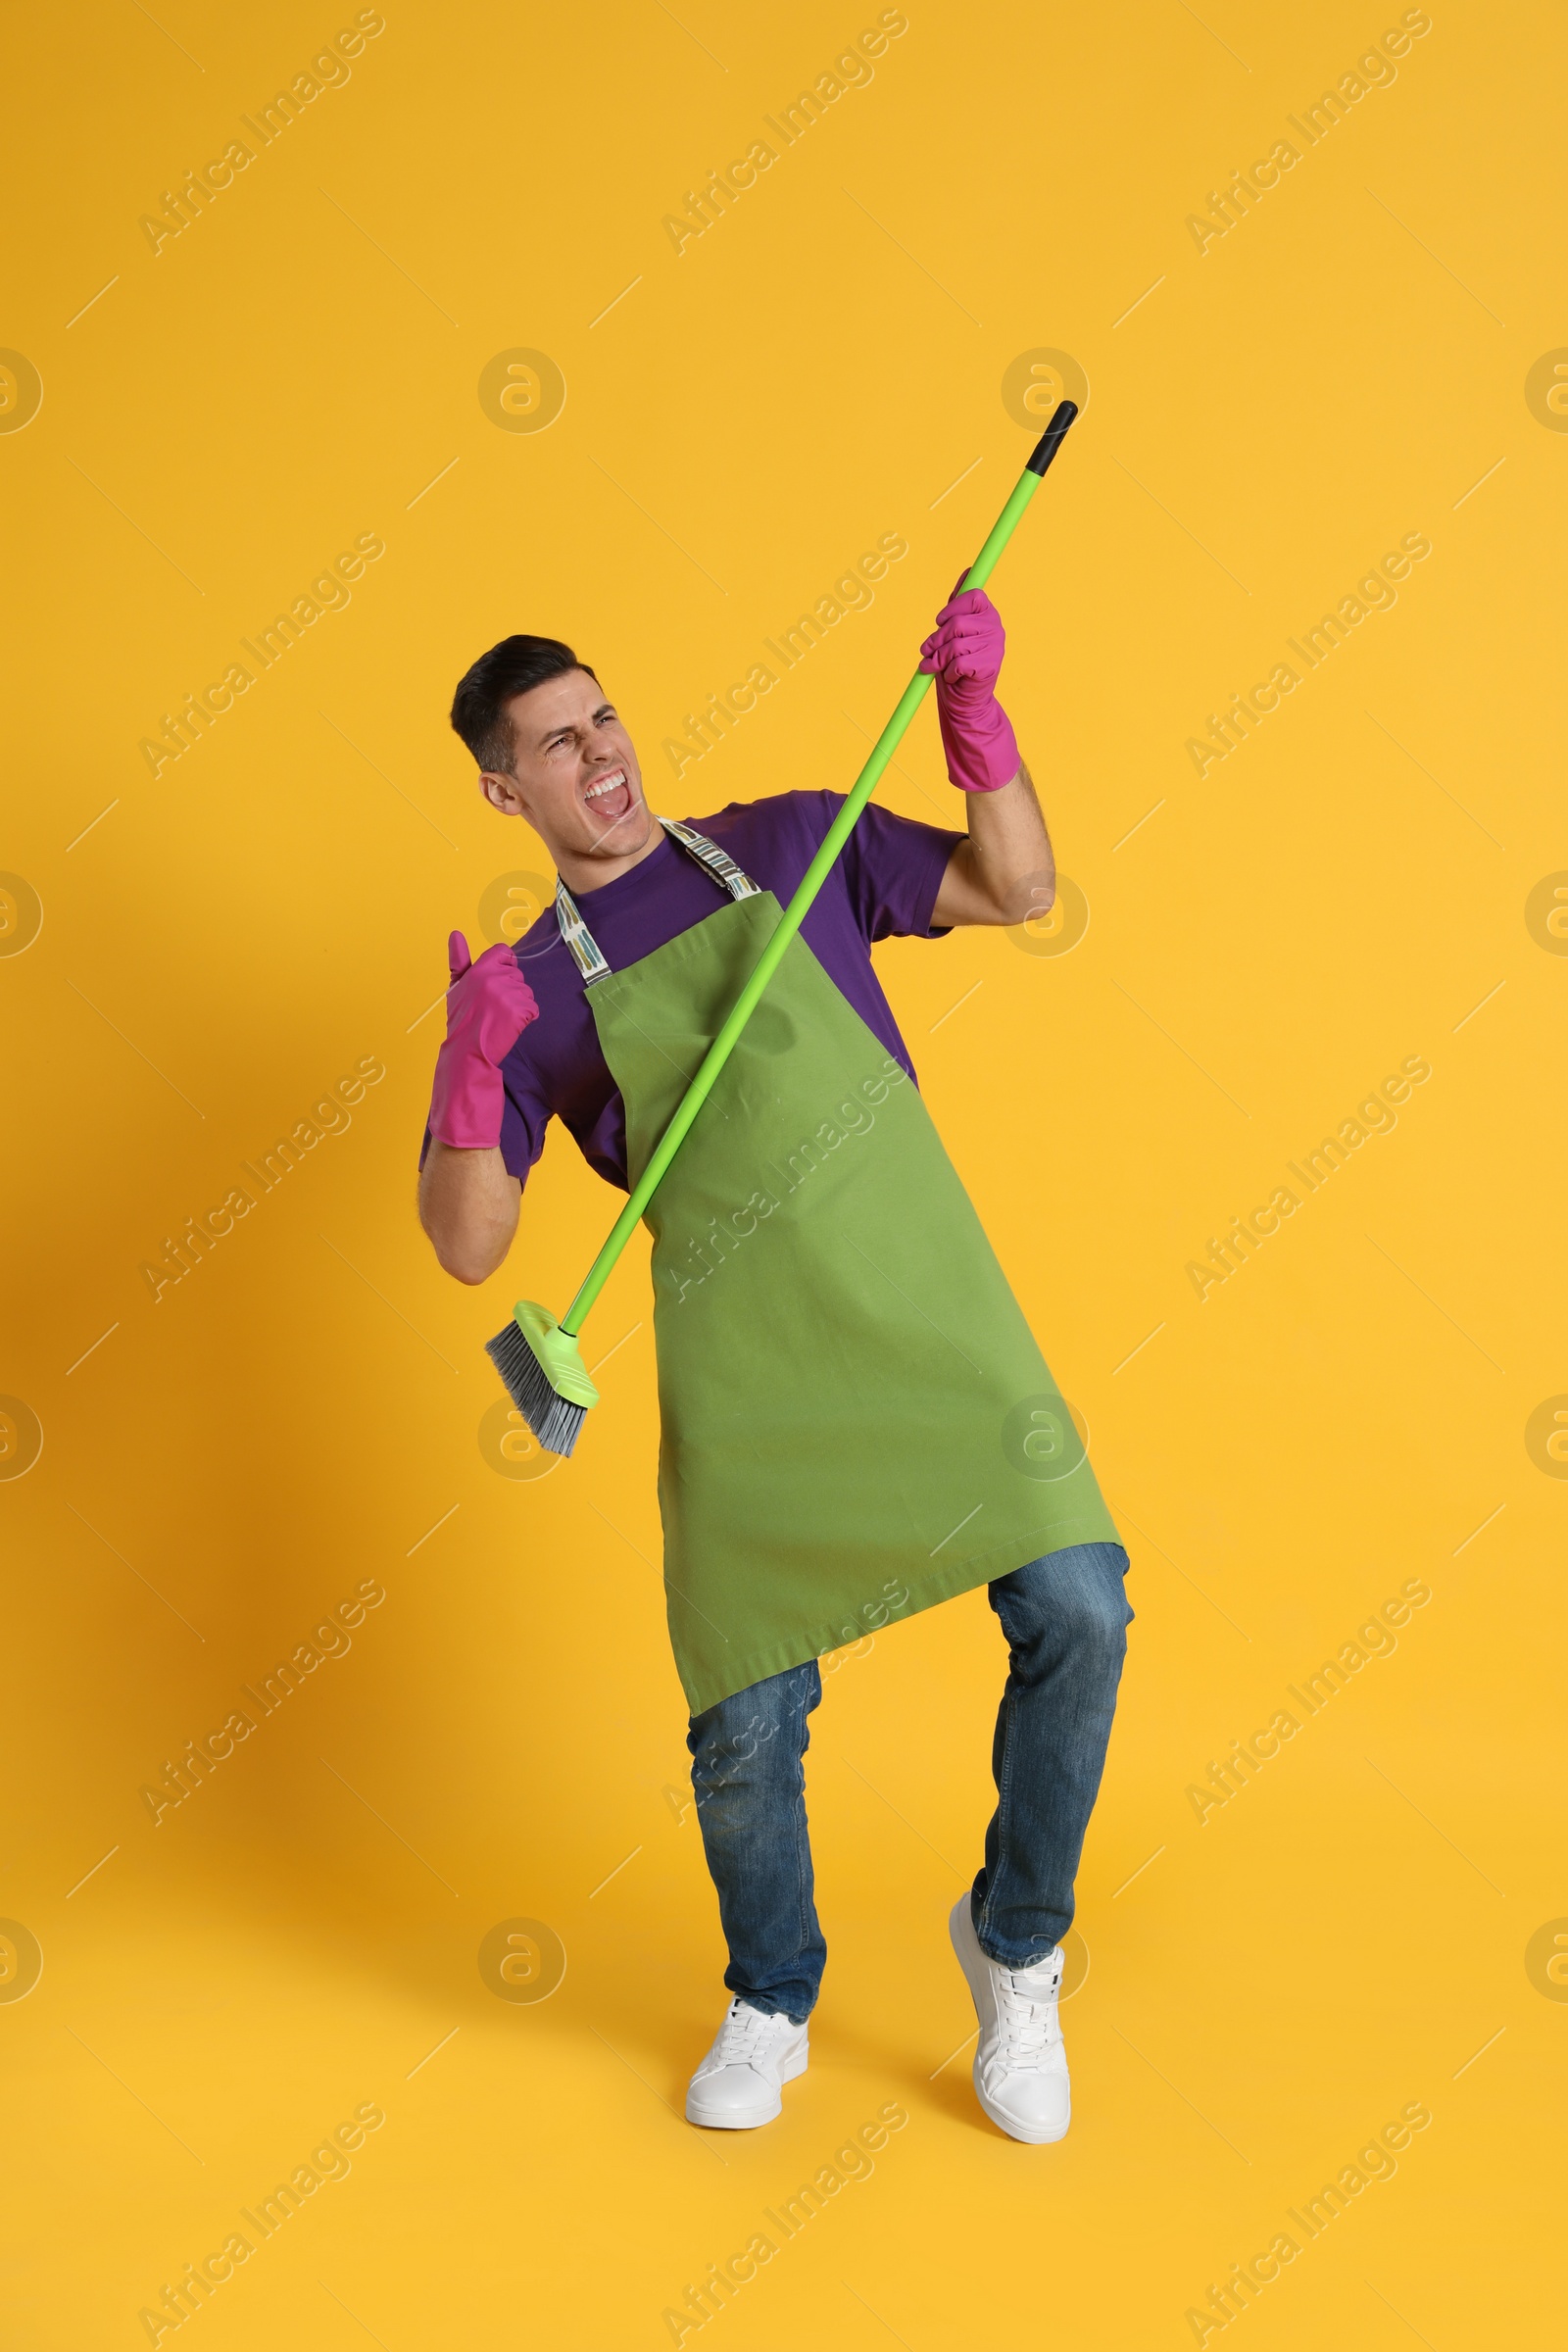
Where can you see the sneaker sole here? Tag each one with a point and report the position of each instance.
(1027, 2137)
(747, 2119)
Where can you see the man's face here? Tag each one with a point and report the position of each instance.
(574, 777)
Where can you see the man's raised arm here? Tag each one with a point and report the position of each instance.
(1005, 872)
(468, 1204)
(468, 1199)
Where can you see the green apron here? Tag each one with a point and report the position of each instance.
(856, 1422)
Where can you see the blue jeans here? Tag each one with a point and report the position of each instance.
(1065, 1617)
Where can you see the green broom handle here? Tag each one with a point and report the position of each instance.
(817, 873)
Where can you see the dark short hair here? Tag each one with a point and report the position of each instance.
(515, 665)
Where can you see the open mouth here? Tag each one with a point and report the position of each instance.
(610, 798)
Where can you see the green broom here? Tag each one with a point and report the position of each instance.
(539, 1358)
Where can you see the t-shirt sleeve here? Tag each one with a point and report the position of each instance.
(524, 1121)
(893, 869)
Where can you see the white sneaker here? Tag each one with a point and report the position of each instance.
(1020, 2064)
(740, 2082)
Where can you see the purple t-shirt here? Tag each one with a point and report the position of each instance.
(883, 886)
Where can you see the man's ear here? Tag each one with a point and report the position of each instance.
(501, 791)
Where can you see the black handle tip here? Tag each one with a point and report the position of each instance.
(1051, 440)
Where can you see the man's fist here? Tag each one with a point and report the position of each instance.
(963, 653)
(489, 1006)
(965, 648)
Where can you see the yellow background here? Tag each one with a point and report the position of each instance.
(295, 369)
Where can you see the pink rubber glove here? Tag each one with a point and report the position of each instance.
(963, 653)
(489, 1006)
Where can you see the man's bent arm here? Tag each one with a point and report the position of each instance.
(1005, 872)
(468, 1205)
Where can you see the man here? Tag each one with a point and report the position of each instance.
(803, 1335)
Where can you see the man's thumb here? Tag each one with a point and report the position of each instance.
(457, 956)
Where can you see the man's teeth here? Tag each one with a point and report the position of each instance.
(608, 784)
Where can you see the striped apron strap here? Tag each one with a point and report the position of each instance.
(581, 945)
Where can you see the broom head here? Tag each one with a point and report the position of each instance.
(543, 1368)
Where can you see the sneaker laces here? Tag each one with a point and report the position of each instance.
(1026, 2018)
(742, 2034)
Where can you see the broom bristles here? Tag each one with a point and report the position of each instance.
(554, 1420)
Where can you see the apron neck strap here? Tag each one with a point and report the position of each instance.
(581, 945)
(708, 853)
